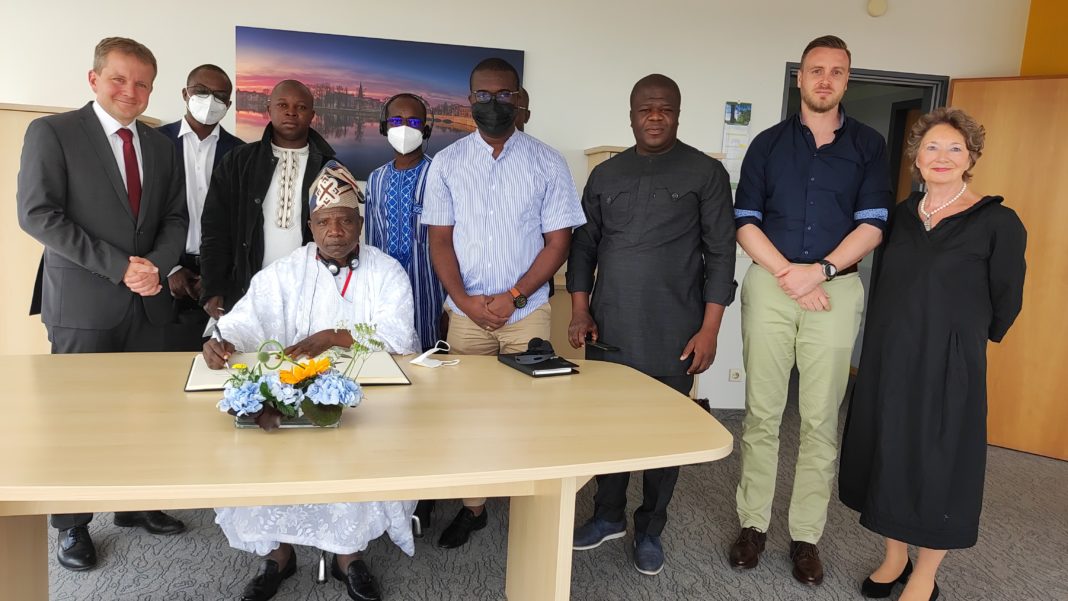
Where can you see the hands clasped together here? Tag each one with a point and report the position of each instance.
(142, 277)
(490, 312)
(802, 283)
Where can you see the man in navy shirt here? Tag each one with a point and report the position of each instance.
(813, 200)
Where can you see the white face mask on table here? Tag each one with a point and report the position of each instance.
(426, 360)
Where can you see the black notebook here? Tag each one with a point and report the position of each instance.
(552, 365)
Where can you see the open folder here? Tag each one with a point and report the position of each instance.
(379, 368)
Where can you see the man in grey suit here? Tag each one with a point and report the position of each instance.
(105, 196)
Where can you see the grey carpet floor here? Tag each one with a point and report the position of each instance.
(1022, 553)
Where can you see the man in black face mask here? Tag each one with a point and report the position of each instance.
(500, 206)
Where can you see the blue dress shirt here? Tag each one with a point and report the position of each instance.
(805, 199)
(500, 208)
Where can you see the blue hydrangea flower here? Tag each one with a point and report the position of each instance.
(285, 394)
(245, 399)
(331, 388)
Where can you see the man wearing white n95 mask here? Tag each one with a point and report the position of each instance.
(202, 143)
(395, 208)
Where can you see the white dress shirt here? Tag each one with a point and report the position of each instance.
(111, 127)
(199, 158)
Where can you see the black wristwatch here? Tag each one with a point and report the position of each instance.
(518, 298)
(829, 270)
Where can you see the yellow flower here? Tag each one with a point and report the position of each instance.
(316, 367)
(287, 376)
(301, 372)
(239, 366)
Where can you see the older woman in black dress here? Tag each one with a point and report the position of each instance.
(949, 277)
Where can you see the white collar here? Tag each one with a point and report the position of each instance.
(278, 150)
(186, 129)
(111, 124)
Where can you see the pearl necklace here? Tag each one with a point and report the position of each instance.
(927, 216)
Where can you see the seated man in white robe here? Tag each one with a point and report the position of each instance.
(300, 300)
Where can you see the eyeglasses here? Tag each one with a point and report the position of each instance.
(412, 122)
(503, 96)
(202, 91)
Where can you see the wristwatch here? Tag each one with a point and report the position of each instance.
(518, 298)
(829, 269)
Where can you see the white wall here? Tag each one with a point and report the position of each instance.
(582, 57)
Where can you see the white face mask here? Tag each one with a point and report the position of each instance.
(209, 110)
(404, 139)
(426, 360)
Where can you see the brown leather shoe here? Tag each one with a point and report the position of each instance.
(746, 550)
(808, 569)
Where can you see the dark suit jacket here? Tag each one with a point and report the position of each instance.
(72, 199)
(226, 143)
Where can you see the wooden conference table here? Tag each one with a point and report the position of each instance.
(117, 432)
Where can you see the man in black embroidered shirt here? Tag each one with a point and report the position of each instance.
(813, 200)
(660, 235)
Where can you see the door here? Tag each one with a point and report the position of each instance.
(1026, 121)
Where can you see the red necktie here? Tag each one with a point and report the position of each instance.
(133, 175)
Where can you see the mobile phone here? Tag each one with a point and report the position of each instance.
(597, 344)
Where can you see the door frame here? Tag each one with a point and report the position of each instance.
(937, 84)
(898, 138)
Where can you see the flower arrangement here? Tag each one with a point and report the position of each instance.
(313, 389)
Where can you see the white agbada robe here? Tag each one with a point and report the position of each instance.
(287, 301)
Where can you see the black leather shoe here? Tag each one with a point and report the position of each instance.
(746, 550)
(265, 584)
(358, 580)
(808, 569)
(154, 522)
(461, 528)
(421, 518)
(75, 550)
(882, 590)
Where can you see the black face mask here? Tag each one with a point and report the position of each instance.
(493, 118)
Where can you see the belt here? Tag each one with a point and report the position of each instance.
(190, 262)
(851, 269)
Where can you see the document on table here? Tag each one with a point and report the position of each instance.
(378, 368)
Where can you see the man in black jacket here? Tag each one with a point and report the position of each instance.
(257, 205)
(201, 143)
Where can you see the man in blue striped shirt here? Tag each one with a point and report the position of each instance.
(500, 206)
(395, 194)
(812, 201)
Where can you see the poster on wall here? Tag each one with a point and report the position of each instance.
(350, 77)
(736, 117)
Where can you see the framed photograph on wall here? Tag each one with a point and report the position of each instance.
(350, 78)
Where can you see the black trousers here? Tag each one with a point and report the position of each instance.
(658, 486)
(133, 334)
(186, 333)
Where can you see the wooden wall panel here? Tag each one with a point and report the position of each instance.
(1026, 161)
(19, 332)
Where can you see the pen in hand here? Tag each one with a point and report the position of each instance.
(219, 337)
